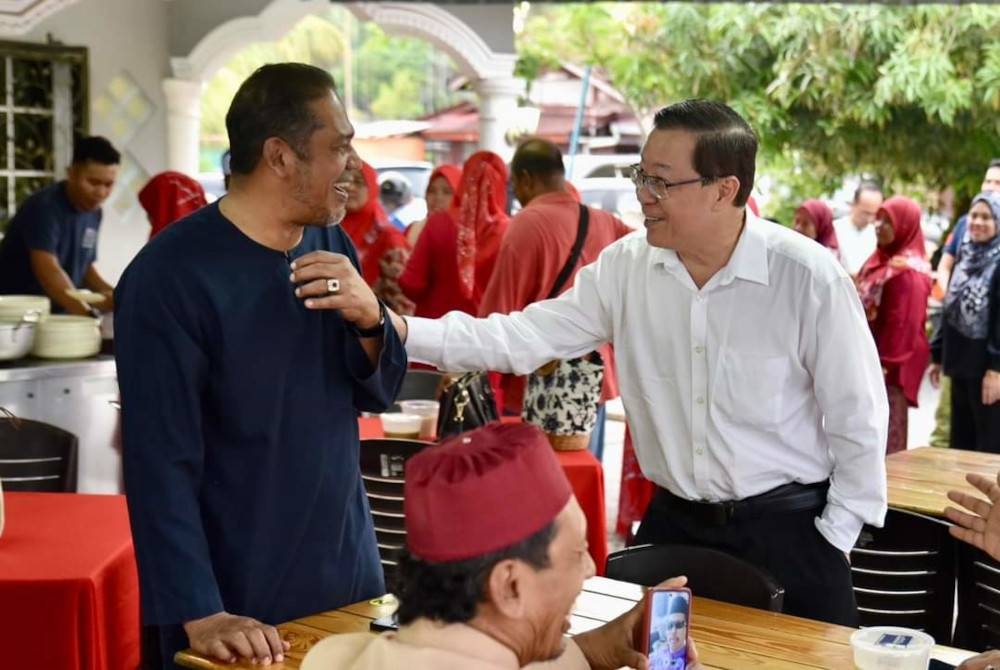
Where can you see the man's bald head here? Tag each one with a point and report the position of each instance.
(537, 168)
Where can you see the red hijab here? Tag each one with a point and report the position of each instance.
(169, 197)
(370, 230)
(822, 217)
(906, 253)
(479, 210)
(451, 174)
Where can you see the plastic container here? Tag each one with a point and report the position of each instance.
(427, 410)
(891, 648)
(397, 424)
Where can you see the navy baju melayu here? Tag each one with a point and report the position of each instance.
(240, 434)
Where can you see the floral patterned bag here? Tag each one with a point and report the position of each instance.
(561, 397)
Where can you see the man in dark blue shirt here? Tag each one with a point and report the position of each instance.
(51, 243)
(246, 344)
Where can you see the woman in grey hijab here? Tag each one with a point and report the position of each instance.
(967, 344)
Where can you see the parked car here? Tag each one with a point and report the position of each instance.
(418, 173)
(612, 194)
(592, 166)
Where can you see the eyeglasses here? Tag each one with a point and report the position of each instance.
(660, 188)
(675, 625)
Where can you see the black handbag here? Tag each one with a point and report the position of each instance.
(466, 403)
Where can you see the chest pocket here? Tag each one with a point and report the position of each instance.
(750, 388)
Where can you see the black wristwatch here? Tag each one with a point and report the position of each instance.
(375, 330)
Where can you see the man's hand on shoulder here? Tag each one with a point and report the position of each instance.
(228, 637)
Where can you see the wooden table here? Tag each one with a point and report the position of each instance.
(919, 479)
(729, 637)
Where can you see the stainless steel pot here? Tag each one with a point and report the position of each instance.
(16, 339)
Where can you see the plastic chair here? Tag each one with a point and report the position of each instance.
(36, 456)
(978, 625)
(382, 469)
(711, 573)
(420, 385)
(904, 574)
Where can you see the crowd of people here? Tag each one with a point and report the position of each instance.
(250, 332)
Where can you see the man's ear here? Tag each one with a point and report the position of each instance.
(505, 588)
(728, 188)
(277, 156)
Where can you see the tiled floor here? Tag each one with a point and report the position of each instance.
(920, 427)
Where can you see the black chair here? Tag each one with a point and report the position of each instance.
(420, 385)
(978, 625)
(36, 456)
(711, 573)
(382, 469)
(904, 574)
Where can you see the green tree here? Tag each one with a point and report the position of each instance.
(909, 94)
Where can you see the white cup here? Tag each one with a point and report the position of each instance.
(891, 648)
(398, 424)
(427, 410)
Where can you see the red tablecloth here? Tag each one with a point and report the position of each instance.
(69, 594)
(585, 475)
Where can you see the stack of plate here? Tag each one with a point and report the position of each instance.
(16, 307)
(65, 336)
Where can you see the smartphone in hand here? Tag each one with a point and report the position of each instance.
(665, 628)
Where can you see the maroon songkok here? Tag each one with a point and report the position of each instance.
(481, 491)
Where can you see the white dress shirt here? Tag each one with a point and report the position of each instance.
(766, 375)
(855, 245)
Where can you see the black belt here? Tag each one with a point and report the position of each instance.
(785, 499)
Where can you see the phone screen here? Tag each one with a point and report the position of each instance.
(669, 614)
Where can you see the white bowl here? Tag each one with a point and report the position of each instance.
(891, 648)
(67, 336)
(17, 306)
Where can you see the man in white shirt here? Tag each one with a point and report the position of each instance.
(747, 369)
(855, 232)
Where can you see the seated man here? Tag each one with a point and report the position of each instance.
(496, 556)
(51, 243)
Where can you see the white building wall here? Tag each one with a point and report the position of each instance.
(129, 39)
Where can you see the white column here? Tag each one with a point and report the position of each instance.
(183, 124)
(497, 111)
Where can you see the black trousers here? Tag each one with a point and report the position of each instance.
(816, 575)
(974, 426)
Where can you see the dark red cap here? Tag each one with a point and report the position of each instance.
(482, 491)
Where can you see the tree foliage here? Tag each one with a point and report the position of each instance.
(910, 94)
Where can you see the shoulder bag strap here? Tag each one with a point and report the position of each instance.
(574, 254)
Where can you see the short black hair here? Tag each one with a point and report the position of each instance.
(726, 143)
(539, 158)
(95, 149)
(450, 592)
(274, 102)
(993, 163)
(867, 185)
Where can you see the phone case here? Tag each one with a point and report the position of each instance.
(648, 623)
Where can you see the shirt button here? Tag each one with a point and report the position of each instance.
(699, 451)
(700, 400)
(699, 349)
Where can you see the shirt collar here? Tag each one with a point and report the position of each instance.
(749, 259)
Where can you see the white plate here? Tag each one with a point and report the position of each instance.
(85, 295)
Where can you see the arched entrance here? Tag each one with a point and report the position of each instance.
(491, 70)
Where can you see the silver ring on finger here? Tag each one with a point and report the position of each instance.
(333, 286)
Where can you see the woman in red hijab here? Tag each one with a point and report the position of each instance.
(894, 284)
(441, 189)
(169, 197)
(814, 219)
(454, 257)
(382, 249)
